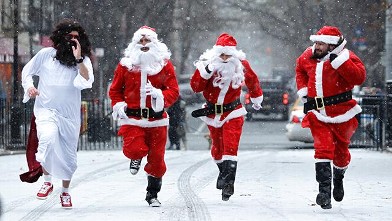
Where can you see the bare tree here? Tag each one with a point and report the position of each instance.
(292, 22)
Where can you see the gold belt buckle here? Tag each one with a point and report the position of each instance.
(146, 111)
(321, 106)
(218, 109)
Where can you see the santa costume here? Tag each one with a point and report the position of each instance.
(220, 81)
(140, 91)
(35, 168)
(325, 85)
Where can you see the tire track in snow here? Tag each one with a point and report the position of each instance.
(196, 208)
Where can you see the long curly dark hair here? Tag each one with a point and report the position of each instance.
(64, 47)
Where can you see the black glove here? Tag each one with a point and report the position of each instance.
(332, 57)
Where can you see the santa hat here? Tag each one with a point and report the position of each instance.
(146, 31)
(226, 44)
(328, 35)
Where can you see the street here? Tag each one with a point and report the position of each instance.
(275, 181)
(270, 185)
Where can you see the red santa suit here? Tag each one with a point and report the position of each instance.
(220, 74)
(226, 128)
(144, 135)
(333, 125)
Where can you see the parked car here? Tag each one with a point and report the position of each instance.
(188, 95)
(276, 102)
(295, 132)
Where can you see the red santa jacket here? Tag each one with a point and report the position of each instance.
(126, 87)
(211, 93)
(322, 78)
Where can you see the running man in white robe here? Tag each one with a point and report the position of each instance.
(63, 70)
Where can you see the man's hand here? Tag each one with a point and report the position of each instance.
(119, 111)
(151, 90)
(256, 106)
(77, 51)
(332, 57)
(32, 92)
(304, 99)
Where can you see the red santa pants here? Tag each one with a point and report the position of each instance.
(140, 142)
(331, 141)
(226, 139)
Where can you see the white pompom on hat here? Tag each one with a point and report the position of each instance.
(328, 35)
(146, 31)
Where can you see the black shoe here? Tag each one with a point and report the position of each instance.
(227, 192)
(323, 177)
(220, 182)
(338, 190)
(324, 201)
(152, 200)
(134, 166)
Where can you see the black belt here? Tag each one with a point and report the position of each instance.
(215, 108)
(318, 103)
(144, 113)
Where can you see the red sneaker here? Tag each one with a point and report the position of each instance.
(45, 190)
(66, 200)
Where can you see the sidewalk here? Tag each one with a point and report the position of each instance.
(270, 185)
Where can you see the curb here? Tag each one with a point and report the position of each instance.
(11, 152)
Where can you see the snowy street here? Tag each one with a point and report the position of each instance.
(270, 185)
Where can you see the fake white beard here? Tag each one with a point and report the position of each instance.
(151, 61)
(229, 71)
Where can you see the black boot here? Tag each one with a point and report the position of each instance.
(338, 191)
(229, 169)
(220, 182)
(323, 177)
(153, 187)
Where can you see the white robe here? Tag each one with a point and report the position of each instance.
(57, 110)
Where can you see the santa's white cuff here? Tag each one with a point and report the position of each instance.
(302, 92)
(157, 103)
(257, 100)
(340, 59)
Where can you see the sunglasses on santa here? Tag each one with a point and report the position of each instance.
(68, 37)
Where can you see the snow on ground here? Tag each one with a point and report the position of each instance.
(270, 185)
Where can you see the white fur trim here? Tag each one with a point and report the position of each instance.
(341, 118)
(229, 157)
(144, 122)
(202, 69)
(234, 114)
(218, 161)
(319, 79)
(339, 48)
(150, 34)
(322, 160)
(341, 168)
(229, 50)
(343, 57)
(328, 39)
(158, 103)
(257, 100)
(302, 92)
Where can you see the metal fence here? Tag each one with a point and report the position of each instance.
(99, 131)
(371, 123)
